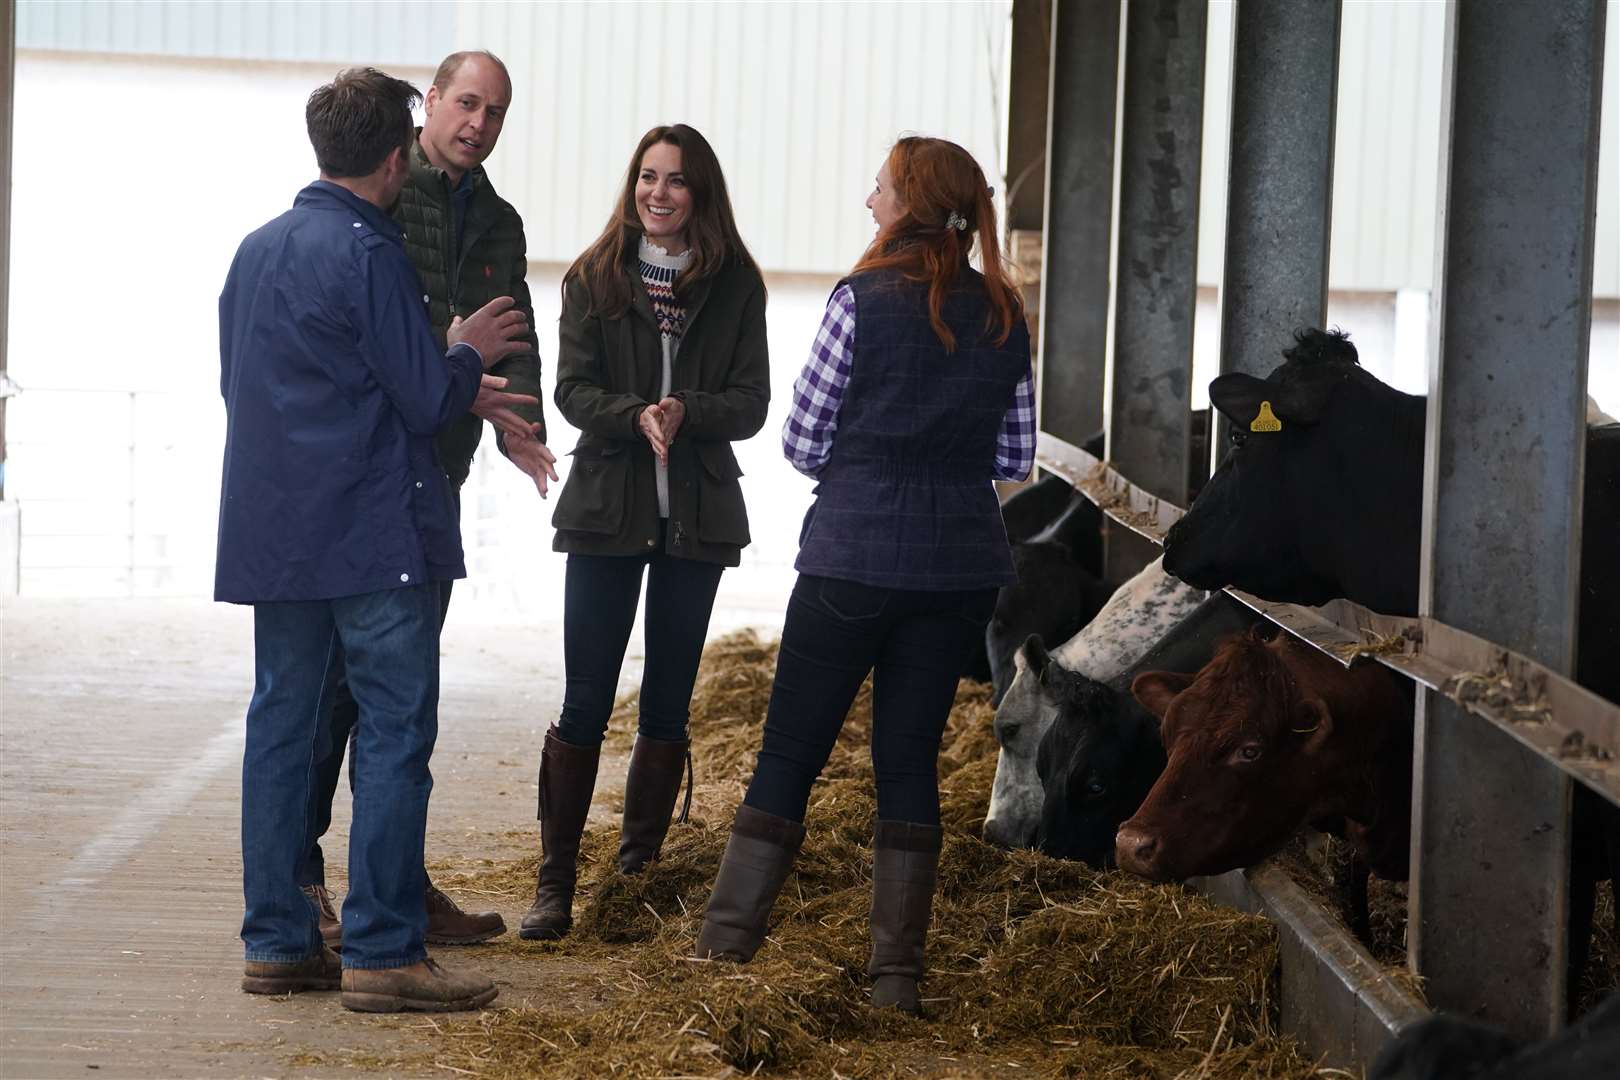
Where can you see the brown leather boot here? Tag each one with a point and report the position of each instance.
(319, 972)
(759, 854)
(424, 987)
(331, 926)
(905, 867)
(656, 766)
(567, 778)
(449, 925)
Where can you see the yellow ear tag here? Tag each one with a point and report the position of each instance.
(1267, 420)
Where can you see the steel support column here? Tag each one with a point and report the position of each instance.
(1505, 452)
(8, 78)
(1279, 203)
(1156, 285)
(1078, 216)
(1029, 84)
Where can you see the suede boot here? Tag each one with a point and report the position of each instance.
(758, 856)
(567, 779)
(656, 766)
(905, 868)
(424, 987)
(331, 926)
(449, 925)
(319, 972)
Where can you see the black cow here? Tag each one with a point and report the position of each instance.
(1446, 1047)
(1057, 549)
(1059, 589)
(1325, 499)
(1102, 754)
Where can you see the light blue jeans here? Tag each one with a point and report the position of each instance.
(388, 644)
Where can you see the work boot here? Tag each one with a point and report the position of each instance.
(567, 778)
(331, 925)
(449, 925)
(319, 972)
(656, 766)
(424, 987)
(759, 854)
(905, 867)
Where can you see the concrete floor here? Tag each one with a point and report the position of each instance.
(120, 874)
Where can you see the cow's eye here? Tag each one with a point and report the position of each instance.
(1095, 788)
(1238, 436)
(1248, 752)
(1008, 733)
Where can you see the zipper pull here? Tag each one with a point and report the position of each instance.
(680, 534)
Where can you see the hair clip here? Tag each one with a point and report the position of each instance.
(956, 221)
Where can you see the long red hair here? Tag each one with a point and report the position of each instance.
(937, 182)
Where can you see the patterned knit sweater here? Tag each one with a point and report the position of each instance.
(659, 269)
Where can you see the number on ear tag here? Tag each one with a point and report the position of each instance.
(1267, 420)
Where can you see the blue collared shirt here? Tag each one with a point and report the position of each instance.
(333, 392)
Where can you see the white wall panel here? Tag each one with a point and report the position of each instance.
(800, 101)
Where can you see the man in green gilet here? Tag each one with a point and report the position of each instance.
(467, 245)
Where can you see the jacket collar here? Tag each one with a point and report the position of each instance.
(324, 191)
(429, 177)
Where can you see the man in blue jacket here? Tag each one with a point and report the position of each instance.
(336, 523)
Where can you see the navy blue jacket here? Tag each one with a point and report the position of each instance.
(906, 501)
(334, 389)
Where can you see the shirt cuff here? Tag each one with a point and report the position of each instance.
(463, 345)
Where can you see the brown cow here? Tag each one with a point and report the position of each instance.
(1271, 735)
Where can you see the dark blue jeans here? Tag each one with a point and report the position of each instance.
(388, 642)
(312, 868)
(600, 594)
(913, 643)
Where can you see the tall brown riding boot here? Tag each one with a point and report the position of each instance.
(758, 856)
(567, 778)
(905, 867)
(656, 766)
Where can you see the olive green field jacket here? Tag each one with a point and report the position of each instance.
(609, 370)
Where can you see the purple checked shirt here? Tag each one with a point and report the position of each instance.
(807, 437)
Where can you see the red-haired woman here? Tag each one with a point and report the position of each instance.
(662, 366)
(917, 394)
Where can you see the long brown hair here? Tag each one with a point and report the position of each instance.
(938, 182)
(712, 233)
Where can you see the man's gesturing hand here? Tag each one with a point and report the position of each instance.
(496, 330)
(496, 406)
(535, 459)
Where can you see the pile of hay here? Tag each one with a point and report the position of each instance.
(1038, 967)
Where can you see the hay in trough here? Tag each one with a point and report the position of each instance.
(1038, 967)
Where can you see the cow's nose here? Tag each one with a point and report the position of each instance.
(1002, 835)
(1136, 850)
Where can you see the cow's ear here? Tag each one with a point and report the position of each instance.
(1156, 689)
(1260, 406)
(1313, 722)
(1238, 396)
(1032, 654)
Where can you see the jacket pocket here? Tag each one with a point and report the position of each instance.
(722, 515)
(596, 496)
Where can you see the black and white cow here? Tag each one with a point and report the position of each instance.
(1137, 615)
(1103, 753)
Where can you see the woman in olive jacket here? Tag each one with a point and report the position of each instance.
(662, 365)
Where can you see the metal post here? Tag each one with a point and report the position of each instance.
(1078, 216)
(1279, 204)
(1030, 82)
(1157, 286)
(1503, 469)
(8, 76)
